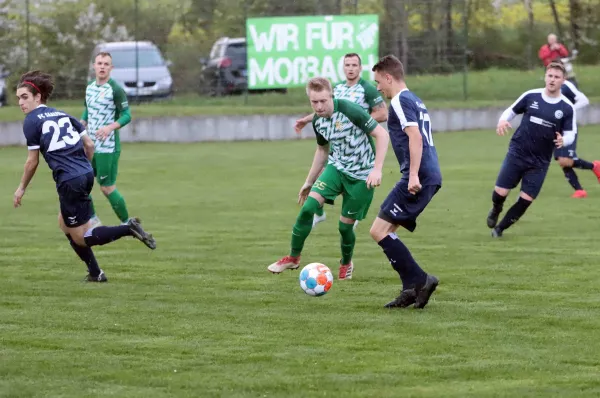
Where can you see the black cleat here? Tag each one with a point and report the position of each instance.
(100, 278)
(492, 218)
(406, 298)
(425, 291)
(138, 232)
(497, 232)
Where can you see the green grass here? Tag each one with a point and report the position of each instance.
(201, 316)
(494, 87)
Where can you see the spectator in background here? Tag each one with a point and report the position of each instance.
(552, 50)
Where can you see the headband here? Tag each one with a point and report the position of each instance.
(32, 85)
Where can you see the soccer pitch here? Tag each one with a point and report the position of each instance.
(202, 317)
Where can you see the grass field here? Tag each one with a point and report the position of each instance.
(201, 316)
(494, 87)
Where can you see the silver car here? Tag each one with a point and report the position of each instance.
(144, 76)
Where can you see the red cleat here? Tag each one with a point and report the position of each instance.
(596, 169)
(580, 193)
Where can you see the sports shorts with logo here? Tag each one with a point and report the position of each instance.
(402, 207)
(357, 197)
(106, 167)
(74, 199)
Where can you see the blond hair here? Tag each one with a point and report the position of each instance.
(318, 84)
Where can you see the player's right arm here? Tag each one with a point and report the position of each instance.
(84, 116)
(300, 123)
(379, 110)
(517, 108)
(33, 137)
(407, 113)
(319, 161)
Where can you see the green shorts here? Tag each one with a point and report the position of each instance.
(106, 167)
(357, 197)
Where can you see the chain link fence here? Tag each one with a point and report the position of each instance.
(429, 36)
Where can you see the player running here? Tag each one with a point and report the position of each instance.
(567, 155)
(549, 121)
(67, 149)
(409, 127)
(106, 111)
(357, 90)
(354, 165)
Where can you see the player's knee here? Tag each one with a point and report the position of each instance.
(502, 191)
(526, 198)
(565, 162)
(78, 237)
(108, 190)
(377, 231)
(310, 207)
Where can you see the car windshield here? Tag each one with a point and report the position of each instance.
(237, 50)
(126, 58)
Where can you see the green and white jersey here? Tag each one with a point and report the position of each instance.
(105, 104)
(362, 93)
(347, 131)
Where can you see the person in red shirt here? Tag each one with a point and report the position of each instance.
(552, 50)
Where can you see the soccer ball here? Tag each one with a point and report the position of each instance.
(316, 279)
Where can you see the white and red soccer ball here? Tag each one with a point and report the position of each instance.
(316, 279)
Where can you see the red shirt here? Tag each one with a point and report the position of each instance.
(547, 55)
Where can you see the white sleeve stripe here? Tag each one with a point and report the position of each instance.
(84, 132)
(33, 147)
(407, 124)
(399, 112)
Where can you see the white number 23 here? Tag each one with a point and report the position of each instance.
(71, 138)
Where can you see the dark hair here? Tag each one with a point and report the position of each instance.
(37, 82)
(557, 65)
(390, 65)
(103, 54)
(350, 55)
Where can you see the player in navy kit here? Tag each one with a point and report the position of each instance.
(409, 128)
(549, 121)
(567, 155)
(66, 147)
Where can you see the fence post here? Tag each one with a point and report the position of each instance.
(465, 48)
(247, 64)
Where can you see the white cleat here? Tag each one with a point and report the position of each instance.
(355, 225)
(318, 219)
(288, 262)
(95, 222)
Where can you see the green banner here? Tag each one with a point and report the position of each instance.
(287, 51)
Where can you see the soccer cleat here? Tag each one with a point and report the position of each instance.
(138, 232)
(318, 219)
(425, 292)
(406, 298)
(497, 233)
(100, 278)
(492, 218)
(355, 225)
(580, 193)
(346, 271)
(287, 262)
(596, 169)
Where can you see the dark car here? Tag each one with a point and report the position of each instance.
(225, 71)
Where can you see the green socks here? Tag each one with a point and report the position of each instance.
(319, 211)
(347, 241)
(117, 202)
(303, 225)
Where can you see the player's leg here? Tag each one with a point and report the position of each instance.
(401, 208)
(327, 187)
(108, 169)
(565, 157)
(76, 212)
(357, 198)
(533, 179)
(320, 213)
(508, 178)
(95, 219)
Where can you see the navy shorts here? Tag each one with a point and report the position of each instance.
(75, 202)
(515, 170)
(402, 208)
(569, 151)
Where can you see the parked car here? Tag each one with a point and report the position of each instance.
(3, 92)
(153, 77)
(225, 71)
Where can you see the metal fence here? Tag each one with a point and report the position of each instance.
(429, 36)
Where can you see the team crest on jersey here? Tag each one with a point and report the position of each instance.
(339, 125)
(558, 114)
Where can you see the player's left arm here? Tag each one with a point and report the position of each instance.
(581, 100)
(379, 110)
(408, 114)
(569, 127)
(122, 106)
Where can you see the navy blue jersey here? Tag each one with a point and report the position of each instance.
(543, 117)
(573, 94)
(408, 110)
(58, 137)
